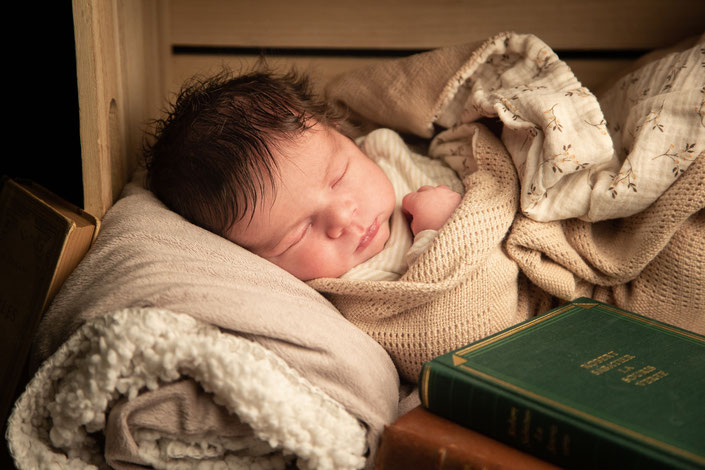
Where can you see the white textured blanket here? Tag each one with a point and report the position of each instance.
(118, 356)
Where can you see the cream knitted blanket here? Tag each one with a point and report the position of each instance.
(491, 265)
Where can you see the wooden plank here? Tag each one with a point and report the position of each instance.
(321, 69)
(423, 24)
(119, 86)
(590, 72)
(593, 73)
(96, 66)
(143, 55)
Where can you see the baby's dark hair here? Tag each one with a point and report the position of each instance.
(211, 156)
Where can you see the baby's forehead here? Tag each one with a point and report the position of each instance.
(302, 163)
(306, 155)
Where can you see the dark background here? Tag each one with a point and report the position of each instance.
(42, 140)
(40, 104)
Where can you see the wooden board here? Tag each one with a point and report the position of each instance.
(127, 66)
(591, 72)
(119, 85)
(423, 24)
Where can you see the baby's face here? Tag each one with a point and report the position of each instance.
(329, 213)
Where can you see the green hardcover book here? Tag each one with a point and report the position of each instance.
(586, 385)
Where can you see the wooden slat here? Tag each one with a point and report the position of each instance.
(423, 24)
(119, 85)
(143, 56)
(96, 65)
(321, 69)
(591, 72)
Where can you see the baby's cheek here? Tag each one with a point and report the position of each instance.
(325, 261)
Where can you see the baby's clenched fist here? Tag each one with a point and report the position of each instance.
(430, 207)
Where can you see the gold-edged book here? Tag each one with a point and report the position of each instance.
(42, 239)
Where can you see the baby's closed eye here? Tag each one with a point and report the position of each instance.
(341, 175)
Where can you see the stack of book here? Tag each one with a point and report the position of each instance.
(586, 385)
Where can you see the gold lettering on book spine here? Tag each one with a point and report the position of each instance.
(583, 415)
(552, 446)
(566, 445)
(538, 434)
(526, 428)
(512, 422)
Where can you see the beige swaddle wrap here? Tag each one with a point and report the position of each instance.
(462, 288)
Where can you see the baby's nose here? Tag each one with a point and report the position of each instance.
(340, 216)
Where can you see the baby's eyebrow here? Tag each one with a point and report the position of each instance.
(330, 164)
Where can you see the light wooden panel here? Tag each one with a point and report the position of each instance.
(125, 65)
(97, 96)
(119, 86)
(422, 24)
(590, 72)
(321, 69)
(593, 73)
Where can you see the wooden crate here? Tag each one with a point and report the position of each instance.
(132, 54)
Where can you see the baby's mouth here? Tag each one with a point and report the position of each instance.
(368, 236)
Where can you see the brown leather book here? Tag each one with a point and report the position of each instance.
(422, 440)
(42, 239)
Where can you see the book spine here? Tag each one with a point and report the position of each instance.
(401, 450)
(426, 441)
(532, 426)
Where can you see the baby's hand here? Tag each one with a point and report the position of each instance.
(430, 207)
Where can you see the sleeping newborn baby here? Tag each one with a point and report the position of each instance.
(335, 212)
(260, 161)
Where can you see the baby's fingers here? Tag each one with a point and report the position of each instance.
(408, 203)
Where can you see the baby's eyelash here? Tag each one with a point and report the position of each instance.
(337, 180)
(301, 237)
